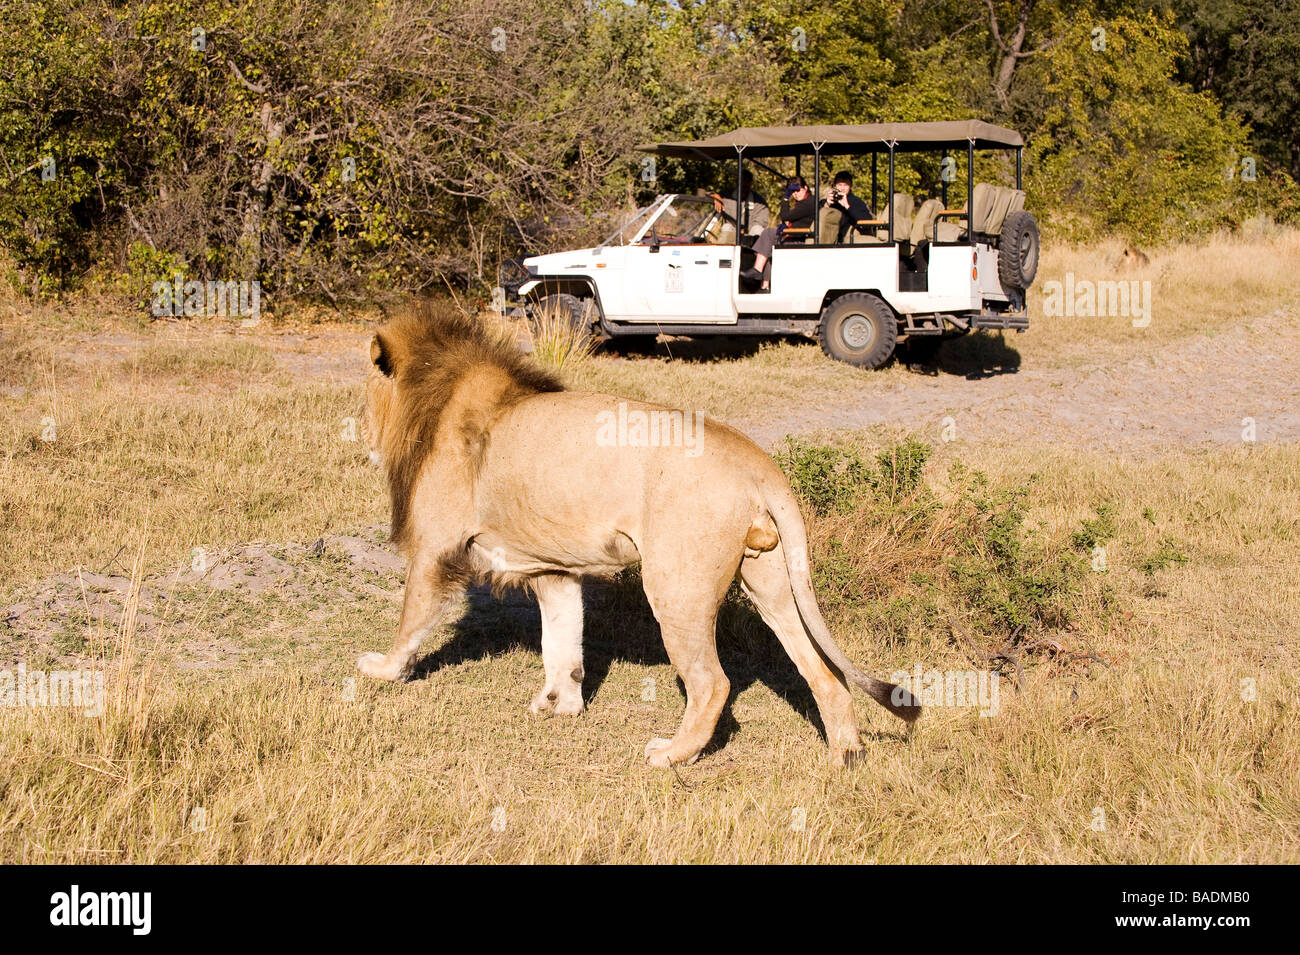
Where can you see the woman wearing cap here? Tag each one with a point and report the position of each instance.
(797, 211)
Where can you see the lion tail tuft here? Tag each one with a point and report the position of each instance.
(784, 510)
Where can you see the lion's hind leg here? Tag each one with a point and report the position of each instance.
(766, 582)
(559, 596)
(685, 601)
(693, 651)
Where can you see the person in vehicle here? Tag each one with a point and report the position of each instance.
(852, 209)
(753, 205)
(797, 211)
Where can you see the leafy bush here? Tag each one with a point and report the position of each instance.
(829, 479)
(889, 547)
(1095, 531)
(324, 148)
(1166, 555)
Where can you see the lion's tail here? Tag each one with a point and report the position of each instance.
(781, 505)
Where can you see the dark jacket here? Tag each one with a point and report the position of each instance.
(856, 212)
(798, 215)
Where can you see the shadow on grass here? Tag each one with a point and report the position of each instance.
(619, 625)
(701, 350)
(974, 356)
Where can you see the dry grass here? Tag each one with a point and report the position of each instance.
(291, 762)
(708, 376)
(267, 461)
(1205, 287)
(287, 768)
(558, 343)
(220, 359)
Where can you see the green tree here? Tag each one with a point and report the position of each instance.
(1124, 148)
(1246, 52)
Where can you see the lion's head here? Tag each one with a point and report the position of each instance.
(418, 361)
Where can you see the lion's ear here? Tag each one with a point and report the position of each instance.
(381, 354)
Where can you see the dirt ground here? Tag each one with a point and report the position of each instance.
(1195, 391)
(1192, 392)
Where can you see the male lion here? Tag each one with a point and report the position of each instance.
(496, 472)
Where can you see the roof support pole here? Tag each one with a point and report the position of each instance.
(742, 227)
(1020, 155)
(817, 193)
(890, 197)
(875, 208)
(970, 191)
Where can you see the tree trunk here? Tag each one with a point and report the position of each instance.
(1012, 48)
(250, 243)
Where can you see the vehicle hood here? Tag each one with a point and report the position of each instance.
(557, 263)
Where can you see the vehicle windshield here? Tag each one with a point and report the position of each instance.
(627, 232)
(687, 219)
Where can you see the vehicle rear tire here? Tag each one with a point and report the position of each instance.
(578, 312)
(1018, 251)
(858, 328)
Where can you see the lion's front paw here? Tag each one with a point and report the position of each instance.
(656, 752)
(548, 702)
(376, 665)
(570, 707)
(543, 703)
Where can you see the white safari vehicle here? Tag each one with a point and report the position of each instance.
(915, 269)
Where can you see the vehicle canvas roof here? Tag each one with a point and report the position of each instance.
(761, 141)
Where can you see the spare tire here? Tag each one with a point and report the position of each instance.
(1018, 251)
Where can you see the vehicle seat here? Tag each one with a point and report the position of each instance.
(1001, 206)
(1011, 200)
(953, 229)
(904, 207)
(986, 200)
(923, 220)
(828, 226)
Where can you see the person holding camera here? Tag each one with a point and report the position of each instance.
(852, 209)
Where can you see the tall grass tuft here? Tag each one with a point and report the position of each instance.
(560, 343)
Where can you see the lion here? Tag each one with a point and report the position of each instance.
(1132, 259)
(498, 474)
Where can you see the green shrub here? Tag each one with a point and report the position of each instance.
(1094, 532)
(829, 479)
(968, 554)
(1166, 555)
(1123, 148)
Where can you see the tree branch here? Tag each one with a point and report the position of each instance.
(248, 85)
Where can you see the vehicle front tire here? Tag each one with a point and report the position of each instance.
(860, 329)
(578, 312)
